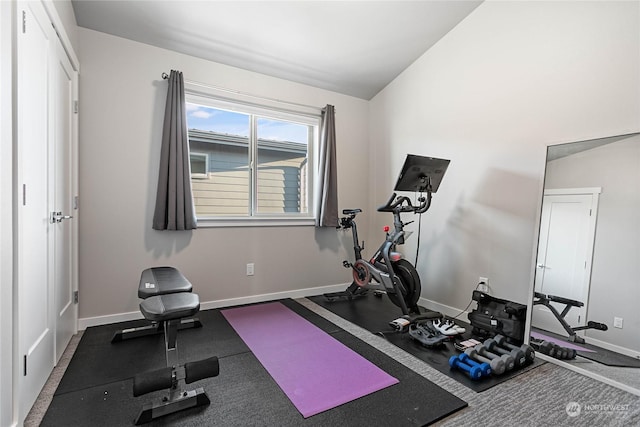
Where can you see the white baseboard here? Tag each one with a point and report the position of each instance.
(613, 347)
(86, 322)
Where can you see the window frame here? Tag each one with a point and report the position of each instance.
(269, 110)
(197, 175)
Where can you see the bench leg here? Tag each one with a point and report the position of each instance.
(185, 400)
(152, 329)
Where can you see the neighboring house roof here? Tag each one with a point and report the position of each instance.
(212, 137)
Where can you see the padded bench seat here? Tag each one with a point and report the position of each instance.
(161, 308)
(161, 281)
(155, 282)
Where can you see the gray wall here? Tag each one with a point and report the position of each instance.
(510, 79)
(614, 290)
(507, 81)
(122, 105)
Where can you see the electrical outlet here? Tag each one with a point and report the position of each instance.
(617, 322)
(250, 269)
(483, 284)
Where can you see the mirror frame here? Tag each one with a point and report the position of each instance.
(534, 256)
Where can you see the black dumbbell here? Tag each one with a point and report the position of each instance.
(497, 364)
(528, 351)
(561, 352)
(474, 372)
(509, 361)
(545, 347)
(484, 367)
(518, 355)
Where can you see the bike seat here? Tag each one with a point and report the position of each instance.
(351, 211)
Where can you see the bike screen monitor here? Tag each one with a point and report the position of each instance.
(420, 172)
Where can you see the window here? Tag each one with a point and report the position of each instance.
(199, 165)
(249, 162)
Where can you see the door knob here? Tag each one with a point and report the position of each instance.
(58, 217)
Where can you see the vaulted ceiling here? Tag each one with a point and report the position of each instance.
(351, 47)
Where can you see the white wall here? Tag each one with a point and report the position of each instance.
(614, 290)
(122, 99)
(508, 80)
(67, 16)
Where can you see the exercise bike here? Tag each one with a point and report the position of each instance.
(394, 275)
(387, 271)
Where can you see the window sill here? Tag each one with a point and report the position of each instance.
(255, 222)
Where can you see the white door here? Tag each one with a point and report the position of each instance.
(45, 274)
(63, 79)
(565, 249)
(35, 328)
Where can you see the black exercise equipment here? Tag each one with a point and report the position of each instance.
(387, 272)
(158, 281)
(553, 350)
(168, 310)
(497, 316)
(546, 300)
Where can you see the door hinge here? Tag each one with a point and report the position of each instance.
(24, 194)
(75, 107)
(75, 203)
(24, 22)
(75, 297)
(25, 365)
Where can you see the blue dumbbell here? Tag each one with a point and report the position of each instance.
(473, 371)
(484, 367)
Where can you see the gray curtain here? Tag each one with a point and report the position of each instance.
(327, 201)
(174, 202)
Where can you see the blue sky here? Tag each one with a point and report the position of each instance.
(233, 123)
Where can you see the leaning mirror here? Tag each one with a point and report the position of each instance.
(587, 266)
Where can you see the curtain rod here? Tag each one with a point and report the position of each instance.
(165, 76)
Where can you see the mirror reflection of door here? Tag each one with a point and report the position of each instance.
(565, 252)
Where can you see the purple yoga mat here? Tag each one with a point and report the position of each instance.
(560, 342)
(314, 370)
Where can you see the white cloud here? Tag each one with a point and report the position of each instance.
(201, 114)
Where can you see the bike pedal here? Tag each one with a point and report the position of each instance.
(347, 264)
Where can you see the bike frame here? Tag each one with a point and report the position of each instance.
(380, 266)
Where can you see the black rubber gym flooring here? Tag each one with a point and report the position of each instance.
(96, 389)
(374, 314)
(598, 354)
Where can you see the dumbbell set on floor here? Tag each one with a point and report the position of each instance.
(554, 350)
(495, 356)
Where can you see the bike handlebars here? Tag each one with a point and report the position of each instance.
(403, 204)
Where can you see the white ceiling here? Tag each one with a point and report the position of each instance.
(351, 47)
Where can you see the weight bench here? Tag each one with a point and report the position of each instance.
(158, 281)
(168, 310)
(546, 300)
